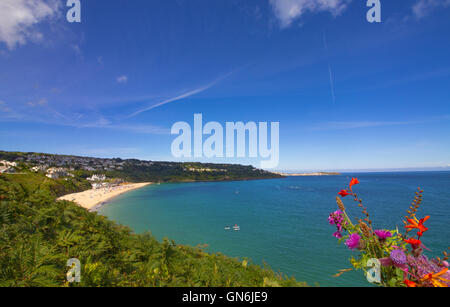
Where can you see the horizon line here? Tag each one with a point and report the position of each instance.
(287, 171)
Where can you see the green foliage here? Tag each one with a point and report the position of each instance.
(39, 234)
(180, 172)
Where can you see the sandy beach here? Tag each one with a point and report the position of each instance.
(93, 199)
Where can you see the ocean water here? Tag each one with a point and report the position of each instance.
(284, 221)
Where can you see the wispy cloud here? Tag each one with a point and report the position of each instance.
(40, 103)
(62, 120)
(343, 125)
(136, 128)
(122, 79)
(408, 79)
(17, 18)
(423, 7)
(77, 50)
(4, 107)
(40, 112)
(180, 97)
(289, 10)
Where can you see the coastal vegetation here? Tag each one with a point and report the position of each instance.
(389, 257)
(38, 234)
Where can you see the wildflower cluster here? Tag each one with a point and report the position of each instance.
(337, 219)
(400, 257)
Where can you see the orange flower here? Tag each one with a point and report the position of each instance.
(409, 283)
(353, 182)
(415, 243)
(417, 224)
(436, 278)
(344, 193)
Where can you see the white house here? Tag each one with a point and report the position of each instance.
(7, 167)
(97, 178)
(39, 168)
(56, 173)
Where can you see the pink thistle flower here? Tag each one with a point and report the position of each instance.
(353, 241)
(383, 234)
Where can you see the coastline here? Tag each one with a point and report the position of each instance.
(93, 199)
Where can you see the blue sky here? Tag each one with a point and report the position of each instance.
(348, 94)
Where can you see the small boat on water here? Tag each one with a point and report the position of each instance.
(236, 227)
(227, 227)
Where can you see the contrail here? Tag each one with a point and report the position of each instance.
(331, 84)
(324, 40)
(325, 45)
(185, 95)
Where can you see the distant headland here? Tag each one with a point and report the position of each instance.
(309, 174)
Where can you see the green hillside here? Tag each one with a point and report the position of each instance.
(39, 234)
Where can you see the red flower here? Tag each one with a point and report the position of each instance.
(415, 243)
(344, 193)
(414, 223)
(409, 283)
(353, 182)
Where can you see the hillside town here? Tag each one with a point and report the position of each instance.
(42, 162)
(62, 167)
(86, 163)
(103, 171)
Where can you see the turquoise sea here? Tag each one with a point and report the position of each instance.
(284, 221)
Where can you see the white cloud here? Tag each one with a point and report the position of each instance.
(17, 18)
(122, 79)
(289, 10)
(423, 7)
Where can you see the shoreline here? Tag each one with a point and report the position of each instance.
(92, 199)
